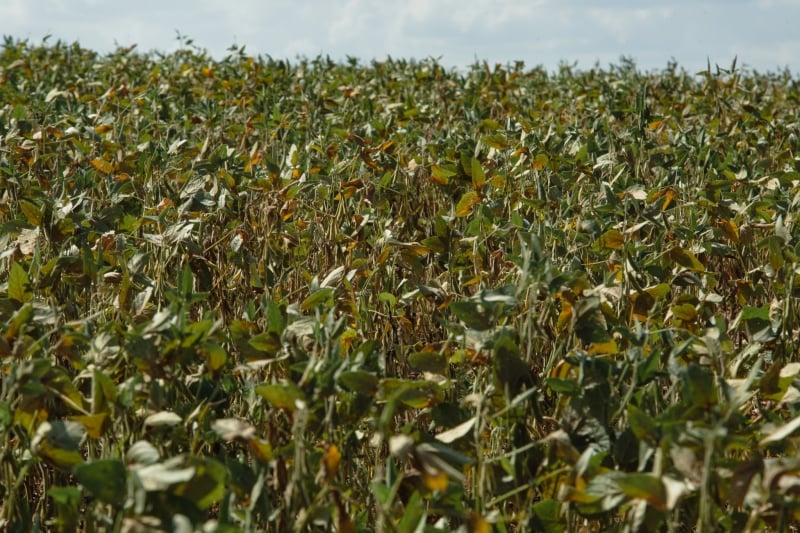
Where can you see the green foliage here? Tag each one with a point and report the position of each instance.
(244, 294)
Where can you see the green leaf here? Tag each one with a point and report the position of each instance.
(19, 284)
(644, 486)
(388, 298)
(216, 356)
(207, 486)
(412, 393)
(612, 240)
(686, 259)
(478, 176)
(547, 516)
(283, 396)
(433, 362)
(442, 175)
(697, 385)
(359, 381)
(317, 298)
(497, 141)
(276, 318)
(32, 212)
(540, 161)
(105, 479)
(414, 515)
(70, 496)
(268, 343)
(472, 314)
(642, 425)
(509, 369)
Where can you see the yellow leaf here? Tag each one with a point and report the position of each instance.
(103, 128)
(330, 462)
(95, 424)
(441, 176)
(641, 303)
(686, 259)
(685, 312)
(102, 165)
(565, 316)
(669, 196)
(261, 449)
(612, 239)
(435, 480)
(347, 338)
(477, 524)
(466, 203)
(606, 347)
(730, 230)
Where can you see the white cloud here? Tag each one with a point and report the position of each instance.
(760, 32)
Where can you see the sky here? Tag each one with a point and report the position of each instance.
(762, 34)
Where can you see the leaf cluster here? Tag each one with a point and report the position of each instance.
(248, 294)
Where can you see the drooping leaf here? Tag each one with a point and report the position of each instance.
(163, 419)
(230, 429)
(142, 452)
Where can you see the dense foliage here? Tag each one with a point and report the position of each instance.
(250, 294)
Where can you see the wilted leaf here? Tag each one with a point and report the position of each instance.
(233, 429)
(163, 419)
(453, 434)
(781, 433)
(161, 476)
(142, 452)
